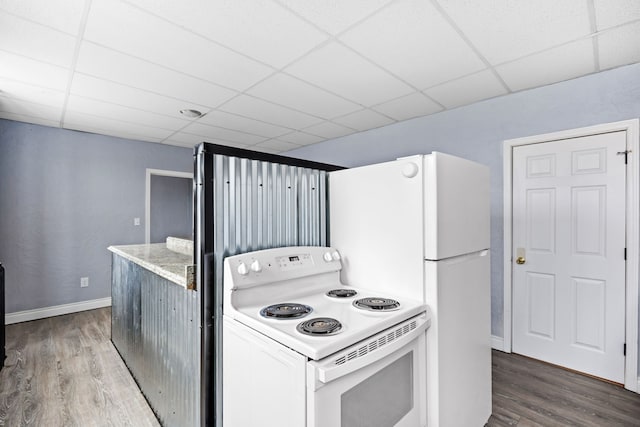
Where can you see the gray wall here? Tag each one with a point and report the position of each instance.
(477, 132)
(64, 197)
(171, 208)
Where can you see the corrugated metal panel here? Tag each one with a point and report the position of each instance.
(156, 331)
(259, 205)
(171, 339)
(157, 325)
(262, 205)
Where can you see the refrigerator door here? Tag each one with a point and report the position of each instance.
(456, 206)
(459, 340)
(387, 218)
(376, 222)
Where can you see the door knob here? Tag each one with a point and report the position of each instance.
(520, 260)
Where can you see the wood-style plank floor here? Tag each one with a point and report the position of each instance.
(528, 393)
(64, 371)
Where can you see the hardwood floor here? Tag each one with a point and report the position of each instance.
(531, 393)
(64, 371)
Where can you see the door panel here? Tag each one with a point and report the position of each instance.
(541, 215)
(542, 302)
(569, 227)
(589, 309)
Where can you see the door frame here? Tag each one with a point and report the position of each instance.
(147, 195)
(631, 127)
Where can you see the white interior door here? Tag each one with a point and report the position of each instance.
(569, 232)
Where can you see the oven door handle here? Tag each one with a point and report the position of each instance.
(328, 370)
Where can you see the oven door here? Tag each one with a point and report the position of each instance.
(380, 381)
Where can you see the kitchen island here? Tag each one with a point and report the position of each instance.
(155, 325)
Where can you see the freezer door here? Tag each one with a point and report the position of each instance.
(387, 218)
(456, 206)
(376, 222)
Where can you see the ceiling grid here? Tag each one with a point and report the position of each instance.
(274, 75)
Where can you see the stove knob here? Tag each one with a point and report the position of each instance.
(335, 255)
(256, 266)
(327, 256)
(242, 269)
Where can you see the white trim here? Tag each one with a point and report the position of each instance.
(56, 310)
(497, 343)
(506, 230)
(631, 127)
(147, 195)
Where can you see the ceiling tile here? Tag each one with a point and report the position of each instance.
(506, 30)
(170, 141)
(63, 15)
(115, 132)
(562, 63)
(329, 130)
(189, 139)
(242, 124)
(19, 68)
(340, 70)
(127, 29)
(30, 109)
(300, 138)
(124, 114)
(261, 29)
(334, 16)
(118, 67)
(115, 93)
(265, 149)
(221, 133)
(258, 109)
(364, 120)
(620, 46)
(611, 13)
(90, 123)
(31, 93)
(468, 89)
(274, 144)
(36, 41)
(411, 39)
(408, 107)
(28, 119)
(291, 92)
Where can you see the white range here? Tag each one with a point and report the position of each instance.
(300, 348)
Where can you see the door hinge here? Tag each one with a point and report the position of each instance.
(626, 155)
(624, 349)
(625, 254)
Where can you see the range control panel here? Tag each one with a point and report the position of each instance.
(294, 261)
(279, 264)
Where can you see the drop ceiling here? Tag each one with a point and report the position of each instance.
(274, 75)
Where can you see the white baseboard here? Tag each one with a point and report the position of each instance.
(57, 310)
(497, 343)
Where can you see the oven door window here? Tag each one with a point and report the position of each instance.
(382, 399)
(390, 391)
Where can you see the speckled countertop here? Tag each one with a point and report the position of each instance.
(156, 257)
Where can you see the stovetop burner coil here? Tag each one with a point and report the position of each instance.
(321, 326)
(285, 311)
(377, 304)
(341, 293)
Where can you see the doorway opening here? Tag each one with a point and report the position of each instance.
(168, 205)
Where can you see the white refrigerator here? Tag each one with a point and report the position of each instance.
(419, 227)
